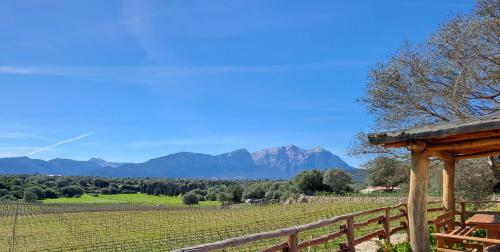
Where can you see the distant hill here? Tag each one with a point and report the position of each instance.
(273, 163)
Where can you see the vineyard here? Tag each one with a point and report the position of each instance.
(84, 227)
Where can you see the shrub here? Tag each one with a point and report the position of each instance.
(40, 193)
(211, 197)
(110, 190)
(51, 194)
(190, 199)
(8, 197)
(72, 191)
(254, 191)
(101, 183)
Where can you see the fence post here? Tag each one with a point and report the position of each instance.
(293, 242)
(462, 213)
(350, 234)
(387, 224)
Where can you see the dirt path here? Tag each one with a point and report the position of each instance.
(371, 246)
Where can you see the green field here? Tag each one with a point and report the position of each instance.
(129, 227)
(128, 198)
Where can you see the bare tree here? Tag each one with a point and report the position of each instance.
(454, 75)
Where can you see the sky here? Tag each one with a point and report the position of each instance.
(133, 80)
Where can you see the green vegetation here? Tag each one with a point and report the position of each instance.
(127, 198)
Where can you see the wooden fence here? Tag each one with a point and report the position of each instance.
(347, 229)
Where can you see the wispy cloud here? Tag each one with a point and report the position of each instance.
(163, 71)
(137, 20)
(23, 135)
(29, 70)
(59, 143)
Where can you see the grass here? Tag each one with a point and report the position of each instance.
(128, 198)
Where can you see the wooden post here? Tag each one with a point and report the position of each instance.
(417, 202)
(293, 241)
(350, 235)
(449, 185)
(462, 213)
(387, 224)
(449, 188)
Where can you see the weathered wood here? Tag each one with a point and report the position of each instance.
(321, 240)
(435, 209)
(397, 229)
(417, 201)
(293, 242)
(350, 235)
(398, 216)
(462, 137)
(387, 224)
(368, 221)
(463, 210)
(468, 144)
(368, 237)
(478, 155)
(277, 247)
(468, 238)
(449, 185)
(437, 131)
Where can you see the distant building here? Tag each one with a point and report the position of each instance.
(371, 189)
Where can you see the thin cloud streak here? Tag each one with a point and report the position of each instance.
(22, 135)
(174, 70)
(59, 143)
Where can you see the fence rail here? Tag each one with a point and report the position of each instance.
(347, 228)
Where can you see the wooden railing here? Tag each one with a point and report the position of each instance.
(347, 230)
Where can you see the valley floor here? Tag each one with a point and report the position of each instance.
(128, 199)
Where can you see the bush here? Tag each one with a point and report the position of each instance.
(190, 199)
(3, 192)
(8, 197)
(40, 193)
(30, 196)
(254, 191)
(109, 191)
(72, 191)
(129, 189)
(51, 194)
(101, 183)
(211, 197)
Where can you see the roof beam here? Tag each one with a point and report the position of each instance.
(469, 144)
(478, 155)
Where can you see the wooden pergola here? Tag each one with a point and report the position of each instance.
(450, 142)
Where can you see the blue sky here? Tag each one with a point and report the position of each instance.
(133, 80)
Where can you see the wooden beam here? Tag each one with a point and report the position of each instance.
(417, 202)
(467, 136)
(444, 155)
(418, 146)
(478, 155)
(396, 145)
(469, 144)
(449, 185)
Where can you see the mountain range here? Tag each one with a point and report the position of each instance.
(273, 163)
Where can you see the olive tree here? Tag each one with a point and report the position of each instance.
(338, 180)
(190, 198)
(387, 172)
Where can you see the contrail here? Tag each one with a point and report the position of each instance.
(59, 143)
